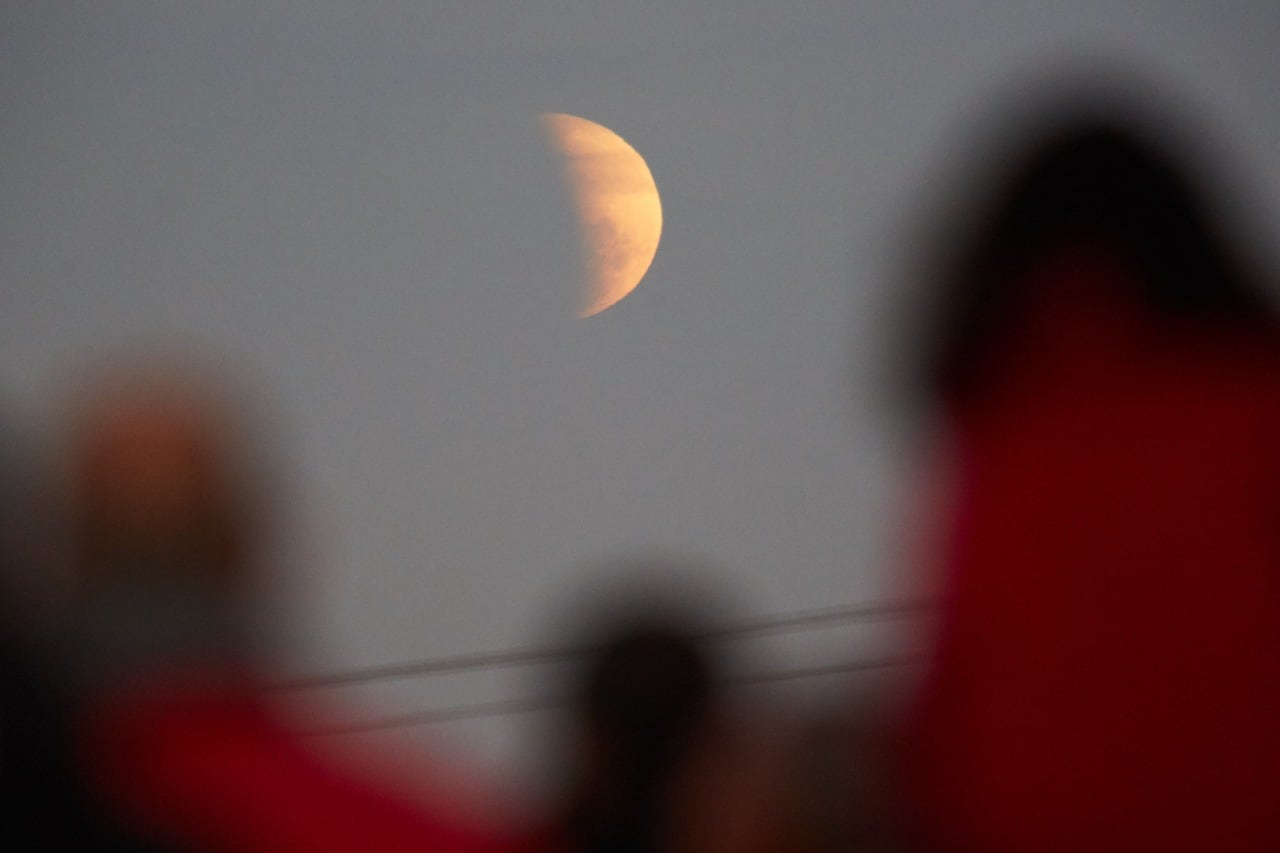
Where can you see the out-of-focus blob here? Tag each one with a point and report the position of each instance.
(654, 761)
(45, 803)
(178, 730)
(1107, 371)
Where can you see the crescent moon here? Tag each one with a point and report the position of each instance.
(617, 203)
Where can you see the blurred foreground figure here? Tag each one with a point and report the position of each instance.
(45, 804)
(179, 732)
(1108, 672)
(651, 767)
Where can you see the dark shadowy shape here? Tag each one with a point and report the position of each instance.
(46, 803)
(1093, 172)
(645, 699)
(1107, 371)
(644, 704)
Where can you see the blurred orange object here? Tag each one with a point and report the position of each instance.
(177, 731)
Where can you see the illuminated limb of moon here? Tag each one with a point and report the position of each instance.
(617, 203)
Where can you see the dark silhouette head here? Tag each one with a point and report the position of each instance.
(1100, 179)
(644, 699)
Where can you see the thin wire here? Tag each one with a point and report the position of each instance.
(476, 710)
(432, 666)
(782, 623)
(510, 707)
(824, 669)
(761, 626)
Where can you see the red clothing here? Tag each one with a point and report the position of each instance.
(1108, 674)
(211, 769)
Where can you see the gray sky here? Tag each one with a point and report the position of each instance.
(353, 205)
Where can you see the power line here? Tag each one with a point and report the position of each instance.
(510, 707)
(785, 622)
(761, 626)
(843, 668)
(432, 666)
(471, 711)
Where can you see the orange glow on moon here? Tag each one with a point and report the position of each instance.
(618, 205)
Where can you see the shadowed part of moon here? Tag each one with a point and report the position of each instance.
(617, 203)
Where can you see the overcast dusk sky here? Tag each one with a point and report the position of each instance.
(354, 206)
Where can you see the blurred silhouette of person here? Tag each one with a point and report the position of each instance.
(178, 728)
(1107, 372)
(652, 765)
(45, 803)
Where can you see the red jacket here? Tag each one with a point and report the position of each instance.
(212, 769)
(1108, 670)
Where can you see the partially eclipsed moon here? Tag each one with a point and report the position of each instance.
(618, 203)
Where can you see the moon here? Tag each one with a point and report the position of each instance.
(617, 203)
